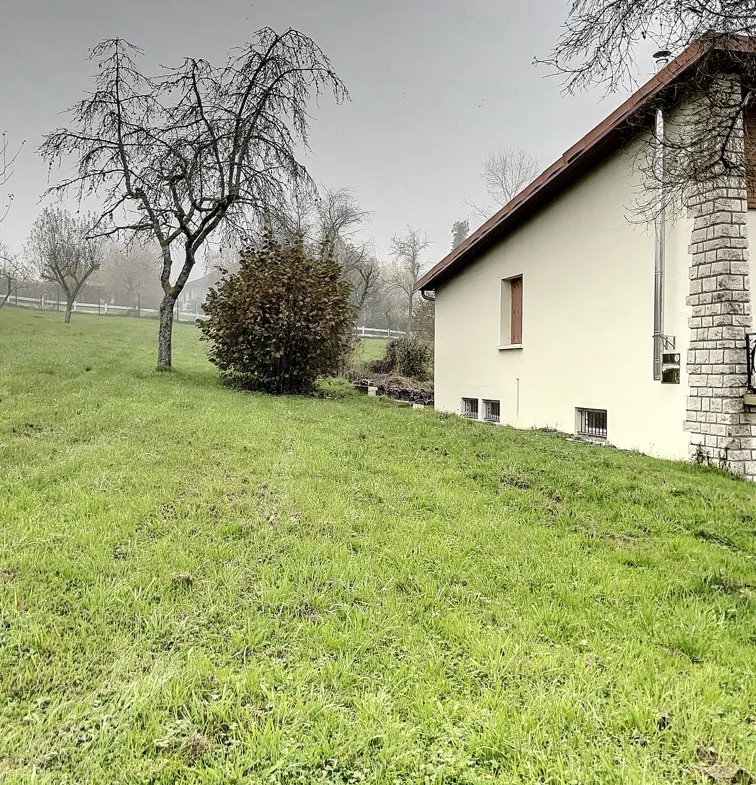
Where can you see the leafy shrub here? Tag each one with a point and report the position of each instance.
(409, 356)
(279, 322)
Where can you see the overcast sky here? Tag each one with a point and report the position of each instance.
(435, 85)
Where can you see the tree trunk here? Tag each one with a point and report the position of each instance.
(409, 314)
(165, 333)
(6, 296)
(69, 308)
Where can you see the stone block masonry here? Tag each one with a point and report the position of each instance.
(722, 429)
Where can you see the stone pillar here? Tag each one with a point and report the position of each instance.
(722, 430)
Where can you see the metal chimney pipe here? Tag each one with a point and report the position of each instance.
(662, 59)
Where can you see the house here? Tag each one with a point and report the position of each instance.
(195, 292)
(563, 312)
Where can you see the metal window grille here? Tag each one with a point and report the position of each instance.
(592, 422)
(470, 408)
(492, 411)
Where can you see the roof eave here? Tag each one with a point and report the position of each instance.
(596, 145)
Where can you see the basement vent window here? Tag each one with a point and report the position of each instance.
(492, 411)
(470, 408)
(591, 423)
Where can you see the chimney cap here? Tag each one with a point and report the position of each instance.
(662, 58)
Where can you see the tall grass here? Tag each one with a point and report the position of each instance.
(203, 586)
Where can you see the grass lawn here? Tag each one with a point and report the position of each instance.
(371, 349)
(204, 586)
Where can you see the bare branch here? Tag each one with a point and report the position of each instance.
(702, 145)
(599, 37)
(6, 171)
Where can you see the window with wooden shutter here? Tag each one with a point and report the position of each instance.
(749, 122)
(510, 336)
(516, 322)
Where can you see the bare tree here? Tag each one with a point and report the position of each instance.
(196, 149)
(11, 269)
(407, 250)
(339, 217)
(597, 47)
(361, 267)
(329, 221)
(383, 300)
(505, 174)
(295, 216)
(13, 274)
(60, 250)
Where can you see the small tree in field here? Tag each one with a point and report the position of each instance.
(281, 321)
(60, 250)
(13, 274)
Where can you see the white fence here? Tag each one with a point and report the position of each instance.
(100, 309)
(374, 332)
(105, 309)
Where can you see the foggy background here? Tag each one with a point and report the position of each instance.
(435, 86)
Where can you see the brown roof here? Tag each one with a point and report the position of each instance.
(594, 147)
(206, 281)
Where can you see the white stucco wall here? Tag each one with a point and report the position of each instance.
(588, 277)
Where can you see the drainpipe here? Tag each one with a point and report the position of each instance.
(426, 295)
(662, 58)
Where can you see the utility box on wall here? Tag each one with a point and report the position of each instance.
(670, 368)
